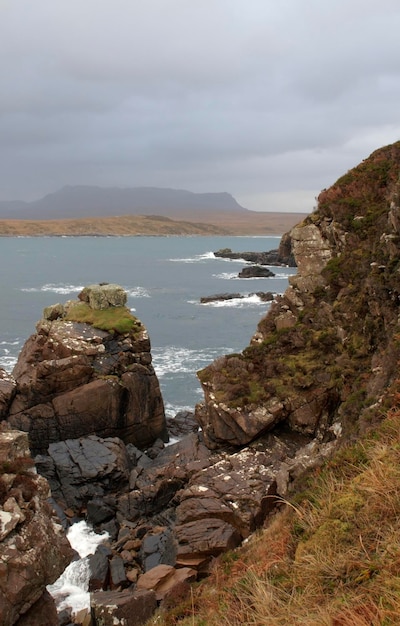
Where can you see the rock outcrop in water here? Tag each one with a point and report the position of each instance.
(87, 370)
(33, 548)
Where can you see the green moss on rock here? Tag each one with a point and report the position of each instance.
(113, 319)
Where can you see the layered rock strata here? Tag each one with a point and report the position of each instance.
(33, 548)
(87, 370)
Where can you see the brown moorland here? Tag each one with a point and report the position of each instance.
(224, 223)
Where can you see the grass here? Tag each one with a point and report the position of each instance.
(114, 319)
(331, 557)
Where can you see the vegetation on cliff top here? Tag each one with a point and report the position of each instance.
(347, 319)
(116, 319)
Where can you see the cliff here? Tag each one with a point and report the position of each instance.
(323, 363)
(327, 349)
(87, 370)
(33, 548)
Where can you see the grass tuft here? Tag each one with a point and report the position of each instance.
(114, 319)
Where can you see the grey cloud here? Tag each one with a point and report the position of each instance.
(255, 98)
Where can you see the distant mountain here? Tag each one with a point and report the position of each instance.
(87, 201)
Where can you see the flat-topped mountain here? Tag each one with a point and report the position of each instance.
(90, 201)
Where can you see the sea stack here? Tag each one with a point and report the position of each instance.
(88, 370)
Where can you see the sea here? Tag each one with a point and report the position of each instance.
(164, 277)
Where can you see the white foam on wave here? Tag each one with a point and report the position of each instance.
(172, 409)
(196, 259)
(8, 362)
(226, 275)
(236, 302)
(9, 354)
(59, 288)
(178, 360)
(280, 276)
(245, 301)
(71, 590)
(137, 292)
(234, 276)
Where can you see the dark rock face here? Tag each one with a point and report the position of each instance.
(34, 550)
(182, 424)
(81, 471)
(282, 256)
(73, 379)
(220, 297)
(327, 348)
(255, 271)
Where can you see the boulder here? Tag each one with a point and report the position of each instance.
(98, 566)
(82, 471)
(182, 424)
(255, 271)
(158, 548)
(154, 486)
(222, 424)
(220, 297)
(42, 613)
(164, 579)
(124, 608)
(74, 379)
(103, 296)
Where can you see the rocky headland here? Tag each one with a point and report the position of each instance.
(315, 376)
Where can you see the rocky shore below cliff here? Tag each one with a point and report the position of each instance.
(320, 362)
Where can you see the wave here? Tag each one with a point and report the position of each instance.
(172, 409)
(9, 351)
(280, 276)
(7, 362)
(196, 259)
(172, 360)
(59, 288)
(226, 275)
(137, 292)
(64, 289)
(249, 300)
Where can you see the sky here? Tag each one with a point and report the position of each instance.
(268, 100)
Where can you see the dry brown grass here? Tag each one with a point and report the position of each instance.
(330, 559)
(130, 225)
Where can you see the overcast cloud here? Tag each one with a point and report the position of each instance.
(270, 101)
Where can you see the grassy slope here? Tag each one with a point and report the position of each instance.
(331, 556)
(210, 224)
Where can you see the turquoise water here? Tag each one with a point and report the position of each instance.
(164, 277)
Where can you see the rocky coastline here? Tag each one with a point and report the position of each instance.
(86, 396)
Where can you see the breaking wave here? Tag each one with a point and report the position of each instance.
(245, 301)
(178, 360)
(60, 288)
(196, 259)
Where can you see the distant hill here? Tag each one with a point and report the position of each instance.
(87, 201)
